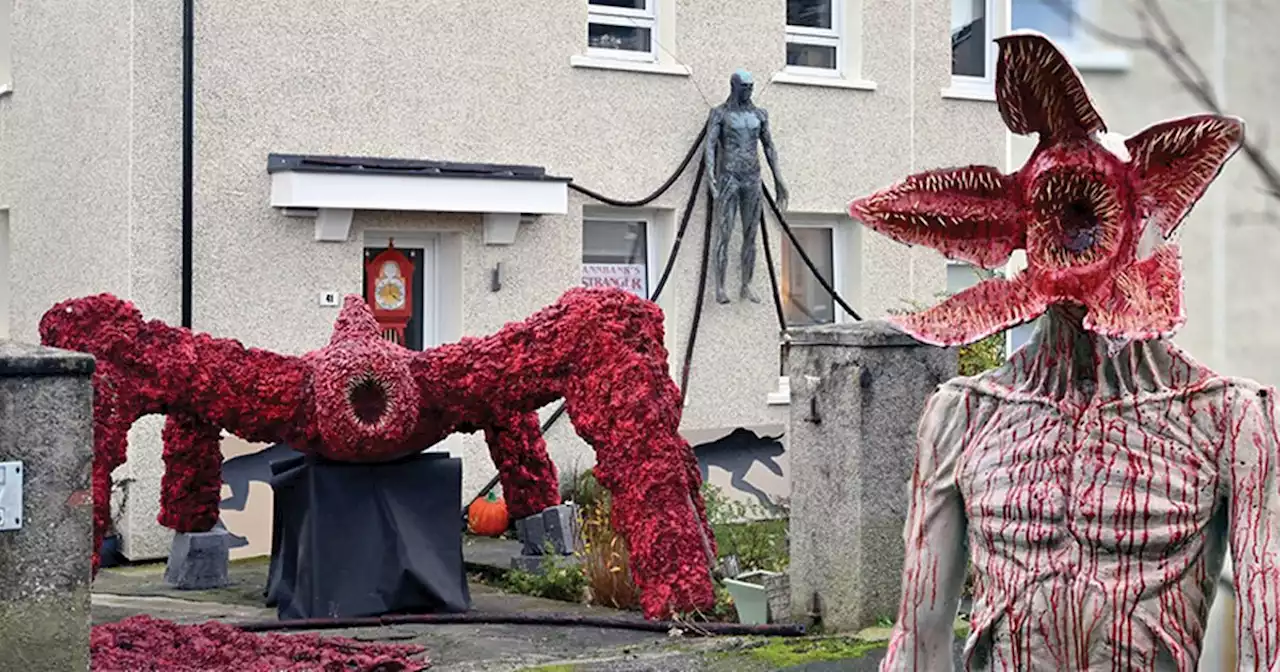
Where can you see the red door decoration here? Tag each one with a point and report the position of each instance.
(389, 292)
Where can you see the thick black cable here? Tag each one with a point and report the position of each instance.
(773, 275)
(666, 272)
(684, 163)
(777, 295)
(571, 620)
(782, 221)
(697, 306)
(684, 226)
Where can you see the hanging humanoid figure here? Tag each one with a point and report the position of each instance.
(733, 129)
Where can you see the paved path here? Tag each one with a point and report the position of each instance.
(124, 591)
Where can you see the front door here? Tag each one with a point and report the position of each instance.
(413, 330)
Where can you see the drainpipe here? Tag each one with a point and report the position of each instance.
(1218, 244)
(188, 138)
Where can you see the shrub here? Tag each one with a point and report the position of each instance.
(606, 562)
(559, 580)
(743, 530)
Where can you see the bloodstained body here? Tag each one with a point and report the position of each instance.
(1099, 478)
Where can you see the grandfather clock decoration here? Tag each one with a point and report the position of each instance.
(389, 292)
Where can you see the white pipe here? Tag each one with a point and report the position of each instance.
(1219, 240)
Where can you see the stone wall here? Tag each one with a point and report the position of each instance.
(857, 392)
(46, 423)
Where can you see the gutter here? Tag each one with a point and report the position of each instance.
(188, 142)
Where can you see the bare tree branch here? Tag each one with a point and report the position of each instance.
(1161, 39)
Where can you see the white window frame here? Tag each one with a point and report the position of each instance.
(6, 46)
(629, 18)
(845, 266)
(652, 252)
(839, 244)
(821, 37)
(982, 88)
(1085, 50)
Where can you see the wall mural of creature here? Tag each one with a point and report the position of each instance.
(362, 398)
(1100, 477)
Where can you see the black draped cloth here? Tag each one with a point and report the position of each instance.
(351, 540)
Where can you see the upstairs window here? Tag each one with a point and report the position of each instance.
(1058, 23)
(1063, 24)
(814, 37)
(972, 49)
(625, 29)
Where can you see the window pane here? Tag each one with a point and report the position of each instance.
(1019, 335)
(626, 38)
(811, 56)
(804, 301)
(615, 254)
(1044, 17)
(809, 13)
(961, 276)
(969, 38)
(625, 4)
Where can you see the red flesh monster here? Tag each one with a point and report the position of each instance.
(1079, 210)
(364, 399)
(1100, 479)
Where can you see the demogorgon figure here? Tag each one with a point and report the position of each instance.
(364, 399)
(1097, 479)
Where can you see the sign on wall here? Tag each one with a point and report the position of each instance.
(628, 277)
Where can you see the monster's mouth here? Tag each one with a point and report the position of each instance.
(1078, 216)
(368, 398)
(1081, 226)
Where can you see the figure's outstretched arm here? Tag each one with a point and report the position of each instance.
(771, 156)
(936, 553)
(714, 120)
(1253, 449)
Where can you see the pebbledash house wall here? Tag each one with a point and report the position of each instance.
(90, 168)
(1230, 240)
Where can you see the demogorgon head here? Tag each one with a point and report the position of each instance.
(1093, 213)
(366, 401)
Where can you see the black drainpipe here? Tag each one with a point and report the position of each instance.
(188, 141)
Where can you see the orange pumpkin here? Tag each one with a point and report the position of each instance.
(488, 517)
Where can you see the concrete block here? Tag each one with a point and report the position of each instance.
(199, 560)
(46, 423)
(857, 392)
(532, 533)
(560, 524)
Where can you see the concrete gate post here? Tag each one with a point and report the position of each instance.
(46, 508)
(857, 392)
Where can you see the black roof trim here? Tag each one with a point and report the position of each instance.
(360, 165)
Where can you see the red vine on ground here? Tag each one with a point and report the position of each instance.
(144, 644)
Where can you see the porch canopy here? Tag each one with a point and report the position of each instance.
(331, 188)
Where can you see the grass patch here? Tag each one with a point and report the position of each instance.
(791, 652)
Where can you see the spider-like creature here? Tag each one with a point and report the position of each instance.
(364, 399)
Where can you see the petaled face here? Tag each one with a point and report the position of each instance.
(366, 401)
(1081, 212)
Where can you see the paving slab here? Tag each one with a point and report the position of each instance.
(120, 592)
(488, 553)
